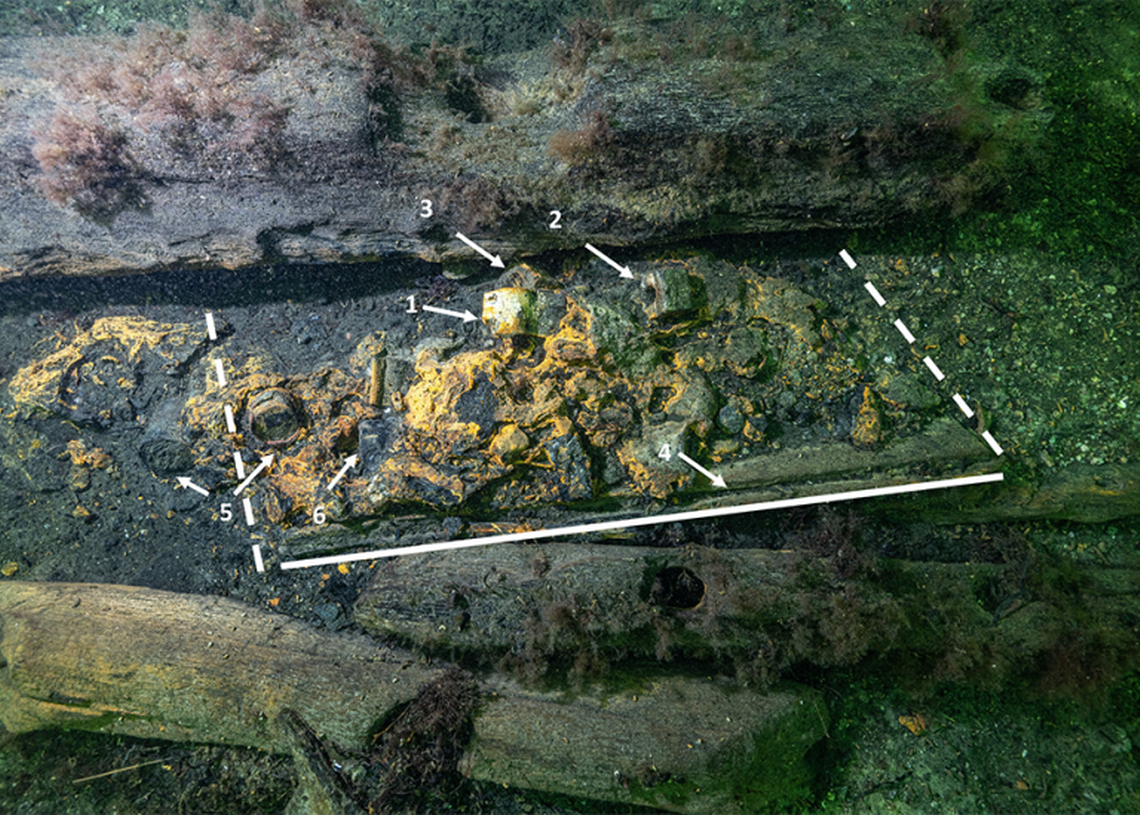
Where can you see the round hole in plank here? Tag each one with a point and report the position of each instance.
(677, 587)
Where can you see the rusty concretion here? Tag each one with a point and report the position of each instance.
(275, 417)
(568, 392)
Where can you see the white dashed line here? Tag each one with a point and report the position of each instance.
(221, 373)
(930, 363)
(869, 286)
(961, 403)
(904, 331)
(257, 561)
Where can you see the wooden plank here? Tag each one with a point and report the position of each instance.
(684, 744)
(540, 607)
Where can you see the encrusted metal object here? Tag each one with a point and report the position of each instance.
(510, 312)
(275, 417)
(672, 291)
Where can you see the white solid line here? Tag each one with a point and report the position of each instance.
(239, 465)
(934, 369)
(603, 526)
(257, 561)
(993, 444)
(850, 261)
(904, 331)
(210, 328)
(245, 502)
(963, 406)
(869, 286)
(231, 425)
(221, 373)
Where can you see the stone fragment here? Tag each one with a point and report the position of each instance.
(509, 443)
(730, 419)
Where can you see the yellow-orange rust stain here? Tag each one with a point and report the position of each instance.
(868, 429)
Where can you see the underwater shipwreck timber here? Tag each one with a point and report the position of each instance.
(312, 139)
(146, 663)
(127, 660)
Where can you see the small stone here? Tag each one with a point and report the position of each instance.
(725, 447)
(730, 419)
(509, 443)
(330, 614)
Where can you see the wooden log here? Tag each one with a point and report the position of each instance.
(329, 160)
(154, 664)
(146, 663)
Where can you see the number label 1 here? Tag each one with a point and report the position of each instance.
(412, 304)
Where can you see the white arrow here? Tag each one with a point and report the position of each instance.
(466, 316)
(349, 463)
(496, 261)
(625, 272)
(715, 479)
(187, 483)
(265, 462)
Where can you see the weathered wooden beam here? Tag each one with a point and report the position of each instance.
(759, 611)
(154, 664)
(308, 151)
(146, 663)
(684, 744)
